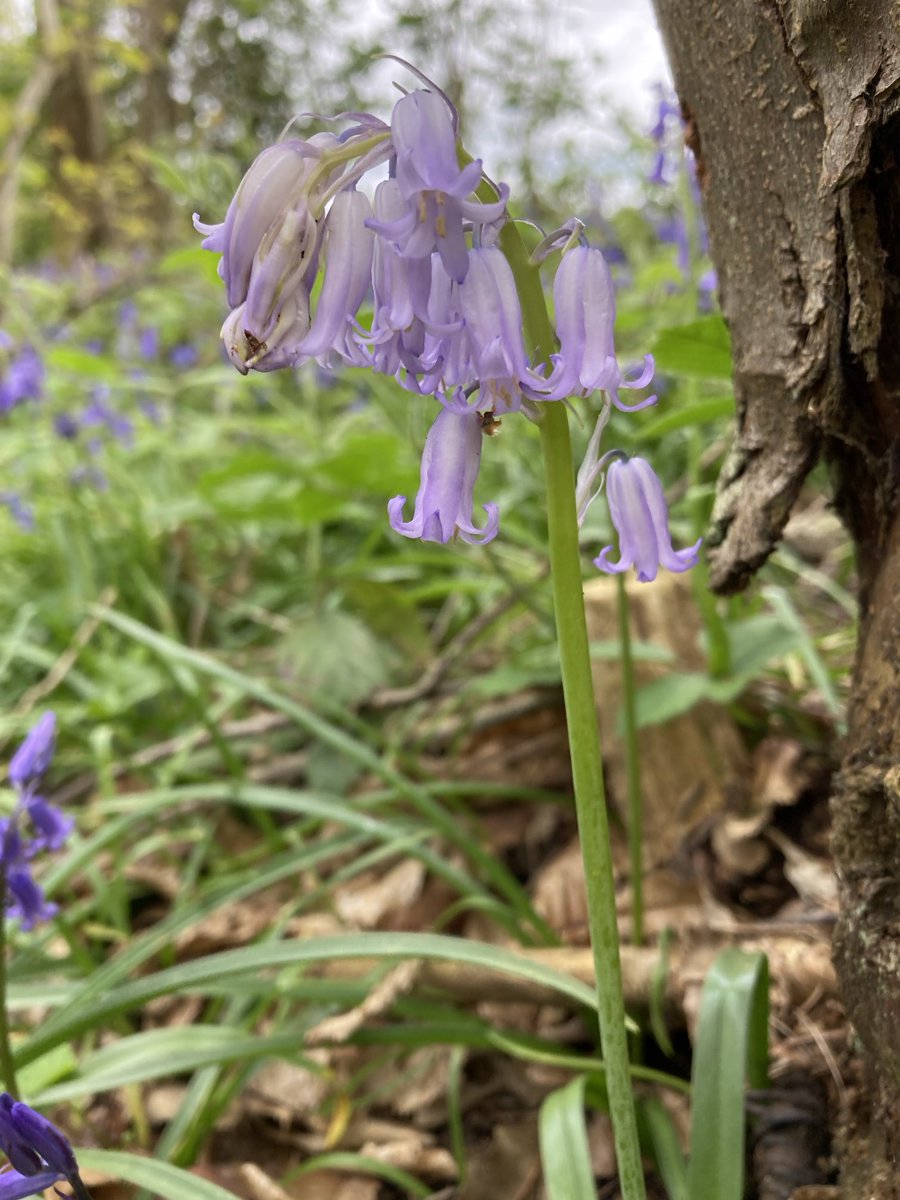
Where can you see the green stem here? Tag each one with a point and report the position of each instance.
(633, 766)
(581, 718)
(590, 801)
(7, 1069)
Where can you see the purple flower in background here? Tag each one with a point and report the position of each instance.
(639, 513)
(66, 426)
(444, 501)
(585, 302)
(149, 343)
(183, 355)
(40, 1154)
(48, 830)
(99, 414)
(21, 513)
(667, 110)
(433, 185)
(32, 759)
(24, 379)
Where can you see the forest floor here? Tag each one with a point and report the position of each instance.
(735, 853)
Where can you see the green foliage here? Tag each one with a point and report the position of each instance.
(565, 1154)
(730, 1052)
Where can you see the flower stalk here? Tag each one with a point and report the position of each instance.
(584, 733)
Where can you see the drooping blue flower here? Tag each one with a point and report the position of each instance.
(401, 287)
(347, 249)
(433, 185)
(40, 1154)
(32, 759)
(444, 502)
(34, 826)
(497, 361)
(639, 513)
(585, 302)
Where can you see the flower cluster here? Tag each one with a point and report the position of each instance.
(446, 315)
(34, 825)
(40, 1154)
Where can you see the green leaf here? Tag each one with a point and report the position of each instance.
(660, 1137)
(160, 1178)
(670, 697)
(730, 1050)
(157, 1053)
(700, 350)
(250, 962)
(565, 1154)
(701, 412)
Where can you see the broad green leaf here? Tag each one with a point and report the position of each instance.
(701, 349)
(565, 1154)
(730, 1051)
(683, 416)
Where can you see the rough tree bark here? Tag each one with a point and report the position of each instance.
(793, 111)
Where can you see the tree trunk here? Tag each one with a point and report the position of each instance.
(793, 111)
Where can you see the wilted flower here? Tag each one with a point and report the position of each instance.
(444, 501)
(639, 513)
(40, 1154)
(433, 185)
(585, 302)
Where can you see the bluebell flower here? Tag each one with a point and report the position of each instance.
(444, 501)
(401, 287)
(639, 513)
(149, 342)
(33, 758)
(66, 426)
(41, 1155)
(23, 380)
(34, 826)
(433, 185)
(183, 355)
(489, 302)
(585, 302)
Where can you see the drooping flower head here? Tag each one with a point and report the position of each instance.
(585, 302)
(639, 513)
(444, 501)
(40, 1154)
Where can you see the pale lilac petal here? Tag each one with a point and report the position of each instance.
(444, 501)
(348, 269)
(639, 513)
